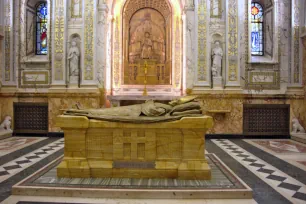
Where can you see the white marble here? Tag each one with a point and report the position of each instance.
(15, 199)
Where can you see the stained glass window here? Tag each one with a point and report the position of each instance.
(257, 29)
(41, 29)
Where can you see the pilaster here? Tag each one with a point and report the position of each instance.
(101, 45)
(189, 34)
(59, 37)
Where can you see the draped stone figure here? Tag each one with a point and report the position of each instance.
(148, 112)
(146, 52)
(73, 57)
(217, 55)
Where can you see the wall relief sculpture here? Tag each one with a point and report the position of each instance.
(146, 41)
(147, 36)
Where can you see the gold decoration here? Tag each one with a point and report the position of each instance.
(296, 43)
(232, 51)
(132, 6)
(147, 36)
(212, 8)
(177, 51)
(73, 3)
(145, 93)
(202, 42)
(263, 77)
(7, 40)
(88, 36)
(59, 28)
(116, 69)
(34, 78)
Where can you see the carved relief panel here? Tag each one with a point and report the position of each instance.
(147, 40)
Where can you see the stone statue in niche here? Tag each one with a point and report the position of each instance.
(216, 68)
(297, 127)
(217, 54)
(146, 52)
(73, 58)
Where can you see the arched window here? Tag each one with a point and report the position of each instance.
(257, 19)
(41, 29)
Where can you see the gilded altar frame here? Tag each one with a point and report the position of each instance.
(162, 67)
(117, 52)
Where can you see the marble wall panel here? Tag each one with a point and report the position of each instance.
(56, 104)
(6, 104)
(232, 123)
(228, 123)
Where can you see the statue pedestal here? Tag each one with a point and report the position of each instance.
(5, 133)
(74, 82)
(217, 83)
(300, 137)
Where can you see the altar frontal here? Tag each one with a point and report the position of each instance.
(150, 140)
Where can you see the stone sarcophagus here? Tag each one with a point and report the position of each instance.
(95, 148)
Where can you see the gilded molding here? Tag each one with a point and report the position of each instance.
(116, 71)
(246, 43)
(219, 9)
(263, 78)
(177, 53)
(59, 40)
(232, 27)
(296, 45)
(202, 41)
(73, 3)
(7, 40)
(89, 39)
(32, 81)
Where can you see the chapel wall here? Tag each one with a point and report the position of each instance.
(27, 78)
(232, 122)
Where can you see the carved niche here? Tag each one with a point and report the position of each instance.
(147, 40)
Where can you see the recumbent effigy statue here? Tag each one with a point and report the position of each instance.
(149, 140)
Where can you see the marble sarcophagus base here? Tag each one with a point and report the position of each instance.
(95, 148)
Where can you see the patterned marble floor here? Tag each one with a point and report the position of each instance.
(274, 169)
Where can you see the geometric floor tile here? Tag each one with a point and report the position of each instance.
(287, 150)
(284, 184)
(280, 146)
(15, 143)
(13, 167)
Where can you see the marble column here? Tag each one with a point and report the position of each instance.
(8, 78)
(189, 48)
(101, 49)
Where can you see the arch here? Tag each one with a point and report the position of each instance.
(162, 6)
(121, 12)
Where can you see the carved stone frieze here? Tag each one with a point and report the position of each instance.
(89, 39)
(202, 41)
(7, 39)
(59, 29)
(232, 37)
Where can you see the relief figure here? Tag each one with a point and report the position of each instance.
(146, 47)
